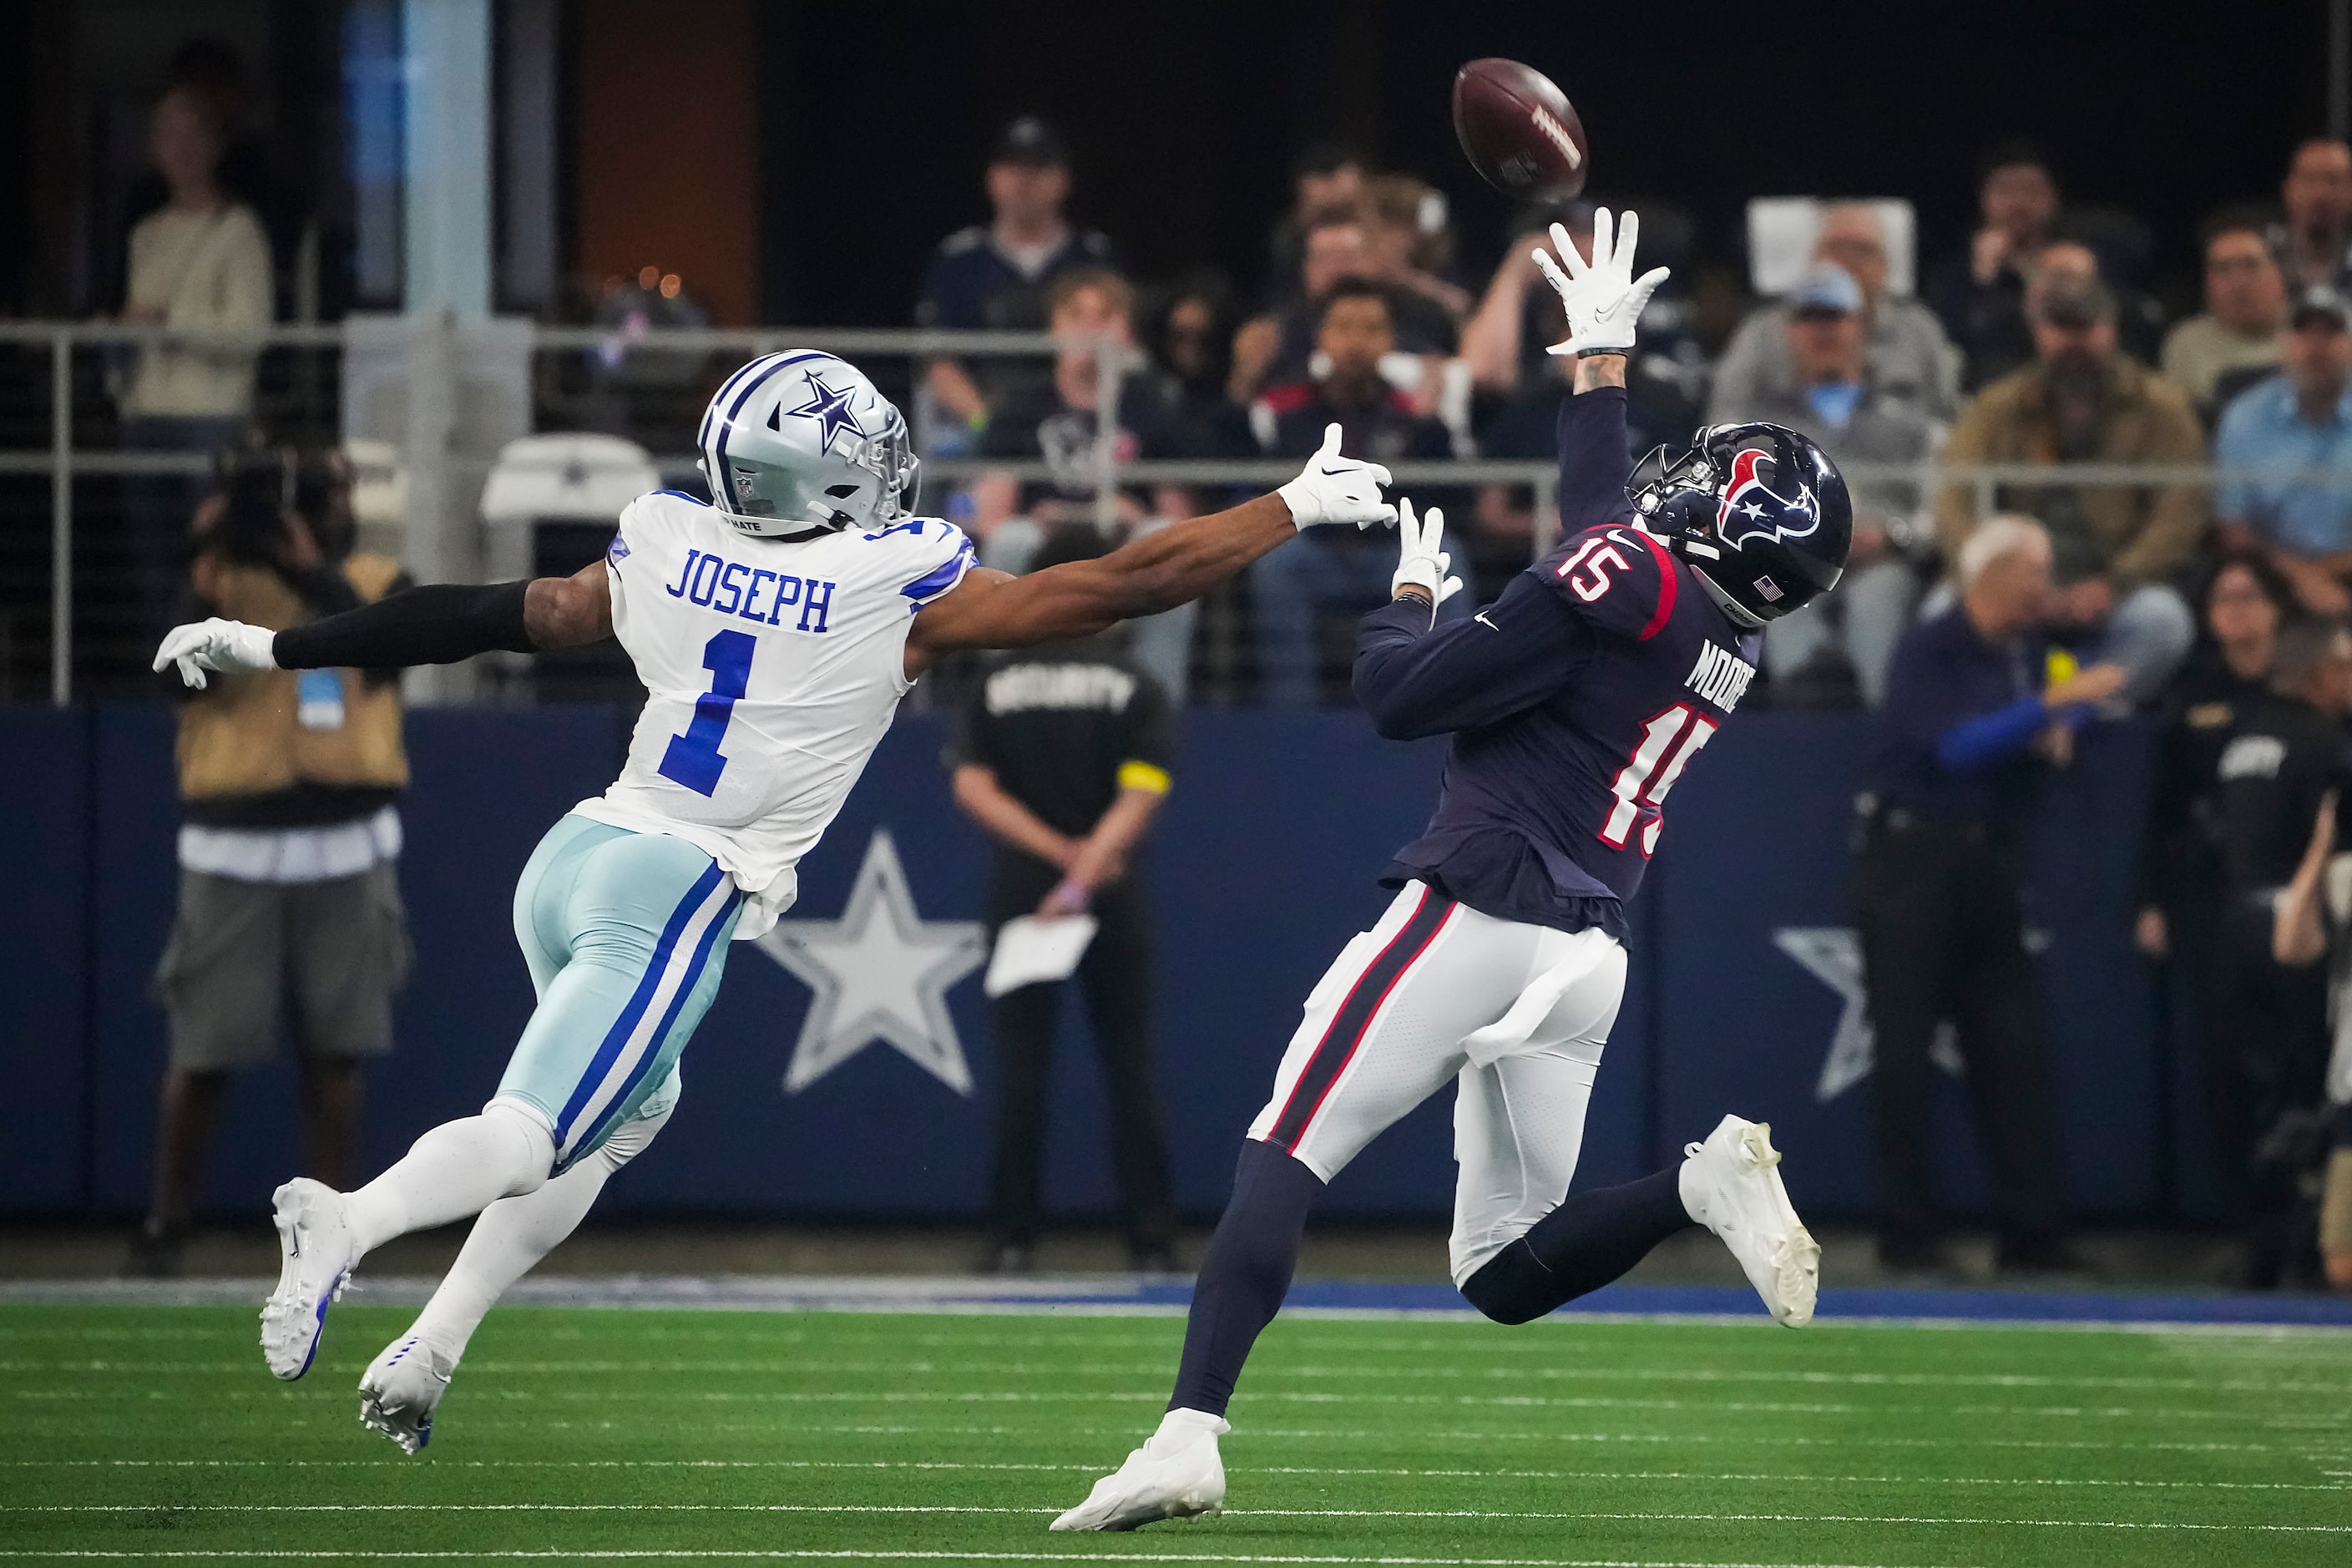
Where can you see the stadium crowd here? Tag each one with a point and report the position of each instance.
(2039, 341)
(2035, 605)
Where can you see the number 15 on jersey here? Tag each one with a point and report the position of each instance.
(1668, 744)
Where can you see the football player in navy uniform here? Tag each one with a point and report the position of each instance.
(1575, 700)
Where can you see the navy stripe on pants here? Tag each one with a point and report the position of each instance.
(1338, 1047)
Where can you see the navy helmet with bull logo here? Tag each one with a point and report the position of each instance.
(1759, 510)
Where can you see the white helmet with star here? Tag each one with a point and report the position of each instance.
(801, 439)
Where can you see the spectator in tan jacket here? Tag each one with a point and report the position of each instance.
(2116, 547)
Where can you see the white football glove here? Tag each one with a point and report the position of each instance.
(230, 646)
(1603, 298)
(1422, 564)
(1333, 488)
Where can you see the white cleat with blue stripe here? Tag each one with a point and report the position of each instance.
(314, 1243)
(403, 1387)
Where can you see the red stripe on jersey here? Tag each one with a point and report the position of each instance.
(1667, 587)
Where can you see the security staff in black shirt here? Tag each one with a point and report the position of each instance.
(1968, 722)
(1062, 754)
(2245, 603)
(2287, 751)
(2182, 899)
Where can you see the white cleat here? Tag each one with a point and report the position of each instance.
(1176, 1474)
(315, 1242)
(402, 1389)
(1732, 1184)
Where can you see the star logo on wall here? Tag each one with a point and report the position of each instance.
(830, 409)
(881, 972)
(1832, 955)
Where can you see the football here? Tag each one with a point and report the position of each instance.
(1518, 131)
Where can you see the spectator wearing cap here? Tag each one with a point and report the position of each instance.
(2234, 341)
(1292, 586)
(995, 276)
(1980, 296)
(2314, 242)
(2116, 547)
(2295, 431)
(1904, 344)
(1831, 393)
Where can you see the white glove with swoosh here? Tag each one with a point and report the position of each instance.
(231, 647)
(1422, 564)
(1333, 488)
(1603, 298)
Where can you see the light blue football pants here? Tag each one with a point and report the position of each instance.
(626, 936)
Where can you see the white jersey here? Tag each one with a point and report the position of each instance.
(771, 669)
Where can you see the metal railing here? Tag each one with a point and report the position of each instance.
(440, 519)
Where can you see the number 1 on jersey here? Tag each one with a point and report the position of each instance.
(693, 758)
(1668, 744)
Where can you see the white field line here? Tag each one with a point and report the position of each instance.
(899, 1556)
(1638, 1516)
(1324, 1434)
(957, 1296)
(1527, 1402)
(826, 1367)
(2254, 1342)
(1090, 1468)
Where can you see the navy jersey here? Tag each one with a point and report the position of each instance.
(1576, 701)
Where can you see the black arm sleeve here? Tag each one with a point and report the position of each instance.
(323, 591)
(441, 623)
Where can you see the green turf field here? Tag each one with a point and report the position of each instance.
(574, 1435)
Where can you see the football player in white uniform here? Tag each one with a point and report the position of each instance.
(776, 632)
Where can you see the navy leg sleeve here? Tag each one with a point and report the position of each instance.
(1590, 1239)
(1245, 1275)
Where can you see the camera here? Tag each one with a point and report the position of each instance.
(261, 485)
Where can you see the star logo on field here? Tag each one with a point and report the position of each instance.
(1832, 955)
(881, 972)
(830, 409)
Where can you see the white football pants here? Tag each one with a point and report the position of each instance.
(1518, 1014)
